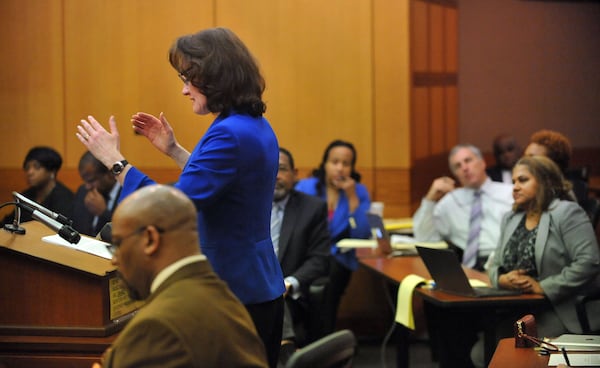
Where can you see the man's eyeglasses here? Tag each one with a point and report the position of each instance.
(116, 243)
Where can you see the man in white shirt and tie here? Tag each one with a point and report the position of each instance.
(467, 217)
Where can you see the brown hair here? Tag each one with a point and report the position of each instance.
(218, 63)
(551, 183)
(557, 145)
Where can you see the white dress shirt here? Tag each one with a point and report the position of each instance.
(448, 219)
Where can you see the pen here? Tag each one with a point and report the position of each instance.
(564, 352)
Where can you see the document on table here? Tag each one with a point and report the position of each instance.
(575, 359)
(404, 242)
(85, 244)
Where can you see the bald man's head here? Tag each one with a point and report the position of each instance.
(159, 205)
(152, 228)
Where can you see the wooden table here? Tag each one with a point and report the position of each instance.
(396, 269)
(506, 355)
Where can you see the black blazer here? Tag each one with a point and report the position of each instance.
(495, 173)
(304, 239)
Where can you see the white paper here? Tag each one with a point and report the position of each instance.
(85, 244)
(576, 360)
(357, 243)
(404, 242)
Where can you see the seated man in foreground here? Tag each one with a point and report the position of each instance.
(190, 318)
(468, 217)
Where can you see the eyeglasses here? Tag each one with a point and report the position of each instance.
(116, 243)
(183, 76)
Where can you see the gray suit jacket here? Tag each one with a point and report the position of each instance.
(566, 254)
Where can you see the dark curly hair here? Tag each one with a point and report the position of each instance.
(551, 182)
(48, 158)
(218, 63)
(319, 173)
(557, 145)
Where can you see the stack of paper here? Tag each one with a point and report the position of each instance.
(86, 244)
(403, 242)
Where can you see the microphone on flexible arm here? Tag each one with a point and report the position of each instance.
(64, 231)
(52, 215)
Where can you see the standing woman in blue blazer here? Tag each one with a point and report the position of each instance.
(230, 174)
(337, 182)
(547, 246)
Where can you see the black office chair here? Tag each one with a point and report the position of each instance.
(335, 350)
(592, 208)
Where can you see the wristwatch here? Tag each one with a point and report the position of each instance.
(118, 167)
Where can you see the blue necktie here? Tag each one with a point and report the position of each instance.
(470, 254)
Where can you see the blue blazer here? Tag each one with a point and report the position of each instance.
(230, 177)
(341, 226)
(566, 257)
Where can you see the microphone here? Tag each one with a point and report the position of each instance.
(64, 231)
(105, 233)
(53, 215)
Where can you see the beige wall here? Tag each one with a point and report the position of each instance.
(528, 65)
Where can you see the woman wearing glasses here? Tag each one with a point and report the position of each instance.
(230, 174)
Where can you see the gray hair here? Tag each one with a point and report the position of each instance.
(476, 151)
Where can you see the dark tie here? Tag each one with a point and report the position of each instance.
(275, 226)
(470, 254)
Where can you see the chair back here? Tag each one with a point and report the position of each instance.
(335, 350)
(592, 208)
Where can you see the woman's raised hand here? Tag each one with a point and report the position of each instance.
(157, 130)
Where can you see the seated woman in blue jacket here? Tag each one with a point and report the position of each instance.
(337, 182)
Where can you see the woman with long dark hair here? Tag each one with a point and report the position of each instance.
(337, 182)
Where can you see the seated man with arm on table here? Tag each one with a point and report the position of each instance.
(300, 233)
(190, 318)
(446, 211)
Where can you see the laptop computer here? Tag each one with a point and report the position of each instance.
(447, 272)
(384, 246)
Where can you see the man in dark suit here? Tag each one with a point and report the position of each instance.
(190, 318)
(301, 239)
(96, 199)
(506, 153)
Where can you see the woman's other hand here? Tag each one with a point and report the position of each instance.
(157, 130)
(103, 145)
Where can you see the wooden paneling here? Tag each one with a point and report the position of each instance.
(127, 70)
(318, 72)
(391, 97)
(31, 78)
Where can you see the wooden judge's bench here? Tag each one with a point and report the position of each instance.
(59, 307)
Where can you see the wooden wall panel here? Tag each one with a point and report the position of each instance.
(451, 106)
(31, 78)
(391, 96)
(319, 72)
(451, 40)
(420, 123)
(436, 35)
(437, 134)
(127, 69)
(419, 41)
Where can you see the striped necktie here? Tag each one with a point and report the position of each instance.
(470, 253)
(275, 226)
